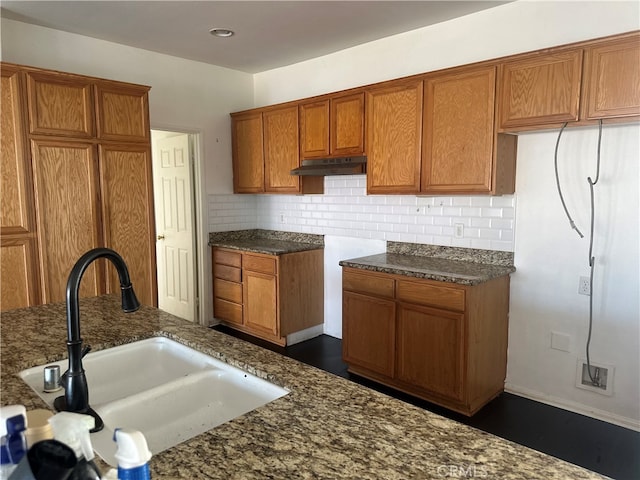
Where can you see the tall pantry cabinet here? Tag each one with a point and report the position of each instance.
(81, 176)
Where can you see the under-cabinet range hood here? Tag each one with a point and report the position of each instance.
(332, 166)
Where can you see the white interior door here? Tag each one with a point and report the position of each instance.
(175, 245)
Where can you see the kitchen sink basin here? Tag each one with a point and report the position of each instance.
(168, 391)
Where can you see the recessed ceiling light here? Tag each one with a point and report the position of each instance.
(221, 32)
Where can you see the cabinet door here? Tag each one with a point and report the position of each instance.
(122, 112)
(60, 104)
(67, 214)
(458, 134)
(19, 287)
(347, 125)
(314, 129)
(281, 153)
(248, 157)
(394, 133)
(431, 349)
(540, 90)
(16, 201)
(612, 79)
(368, 332)
(127, 206)
(260, 302)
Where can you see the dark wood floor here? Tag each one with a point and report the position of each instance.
(599, 446)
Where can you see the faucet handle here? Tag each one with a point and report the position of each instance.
(85, 350)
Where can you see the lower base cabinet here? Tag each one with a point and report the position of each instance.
(441, 342)
(268, 296)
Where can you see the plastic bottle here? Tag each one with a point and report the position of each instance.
(73, 430)
(13, 422)
(132, 454)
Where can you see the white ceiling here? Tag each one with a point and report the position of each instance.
(268, 34)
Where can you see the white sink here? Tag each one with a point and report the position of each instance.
(168, 391)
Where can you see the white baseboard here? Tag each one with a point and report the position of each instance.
(575, 407)
(306, 334)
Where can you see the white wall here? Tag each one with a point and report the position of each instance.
(549, 259)
(185, 96)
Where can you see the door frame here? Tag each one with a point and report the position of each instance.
(199, 199)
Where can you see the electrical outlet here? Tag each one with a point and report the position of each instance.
(600, 380)
(282, 218)
(458, 230)
(584, 286)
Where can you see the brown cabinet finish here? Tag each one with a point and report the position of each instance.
(442, 342)
(281, 150)
(540, 89)
(248, 156)
(394, 133)
(458, 137)
(430, 350)
(67, 213)
(314, 129)
(60, 104)
(126, 180)
(122, 112)
(332, 127)
(19, 287)
(80, 189)
(268, 296)
(611, 86)
(347, 125)
(369, 324)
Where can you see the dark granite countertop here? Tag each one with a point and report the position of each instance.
(445, 264)
(327, 427)
(266, 241)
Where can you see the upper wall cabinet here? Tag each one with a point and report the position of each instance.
(612, 79)
(122, 112)
(265, 150)
(540, 90)
(280, 127)
(459, 143)
(394, 134)
(332, 127)
(248, 156)
(60, 104)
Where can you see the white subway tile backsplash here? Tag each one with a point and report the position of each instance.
(346, 210)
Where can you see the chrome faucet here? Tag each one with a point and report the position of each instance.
(74, 381)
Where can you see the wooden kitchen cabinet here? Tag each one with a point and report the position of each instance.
(268, 296)
(332, 127)
(122, 112)
(128, 219)
(394, 135)
(79, 170)
(461, 152)
(442, 342)
(67, 214)
(280, 127)
(611, 87)
(265, 150)
(60, 104)
(540, 89)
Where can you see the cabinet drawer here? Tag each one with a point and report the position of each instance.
(259, 264)
(367, 283)
(226, 272)
(227, 290)
(225, 257)
(229, 311)
(431, 295)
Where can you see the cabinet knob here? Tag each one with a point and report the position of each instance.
(160, 237)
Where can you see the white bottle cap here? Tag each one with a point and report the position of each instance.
(73, 429)
(132, 448)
